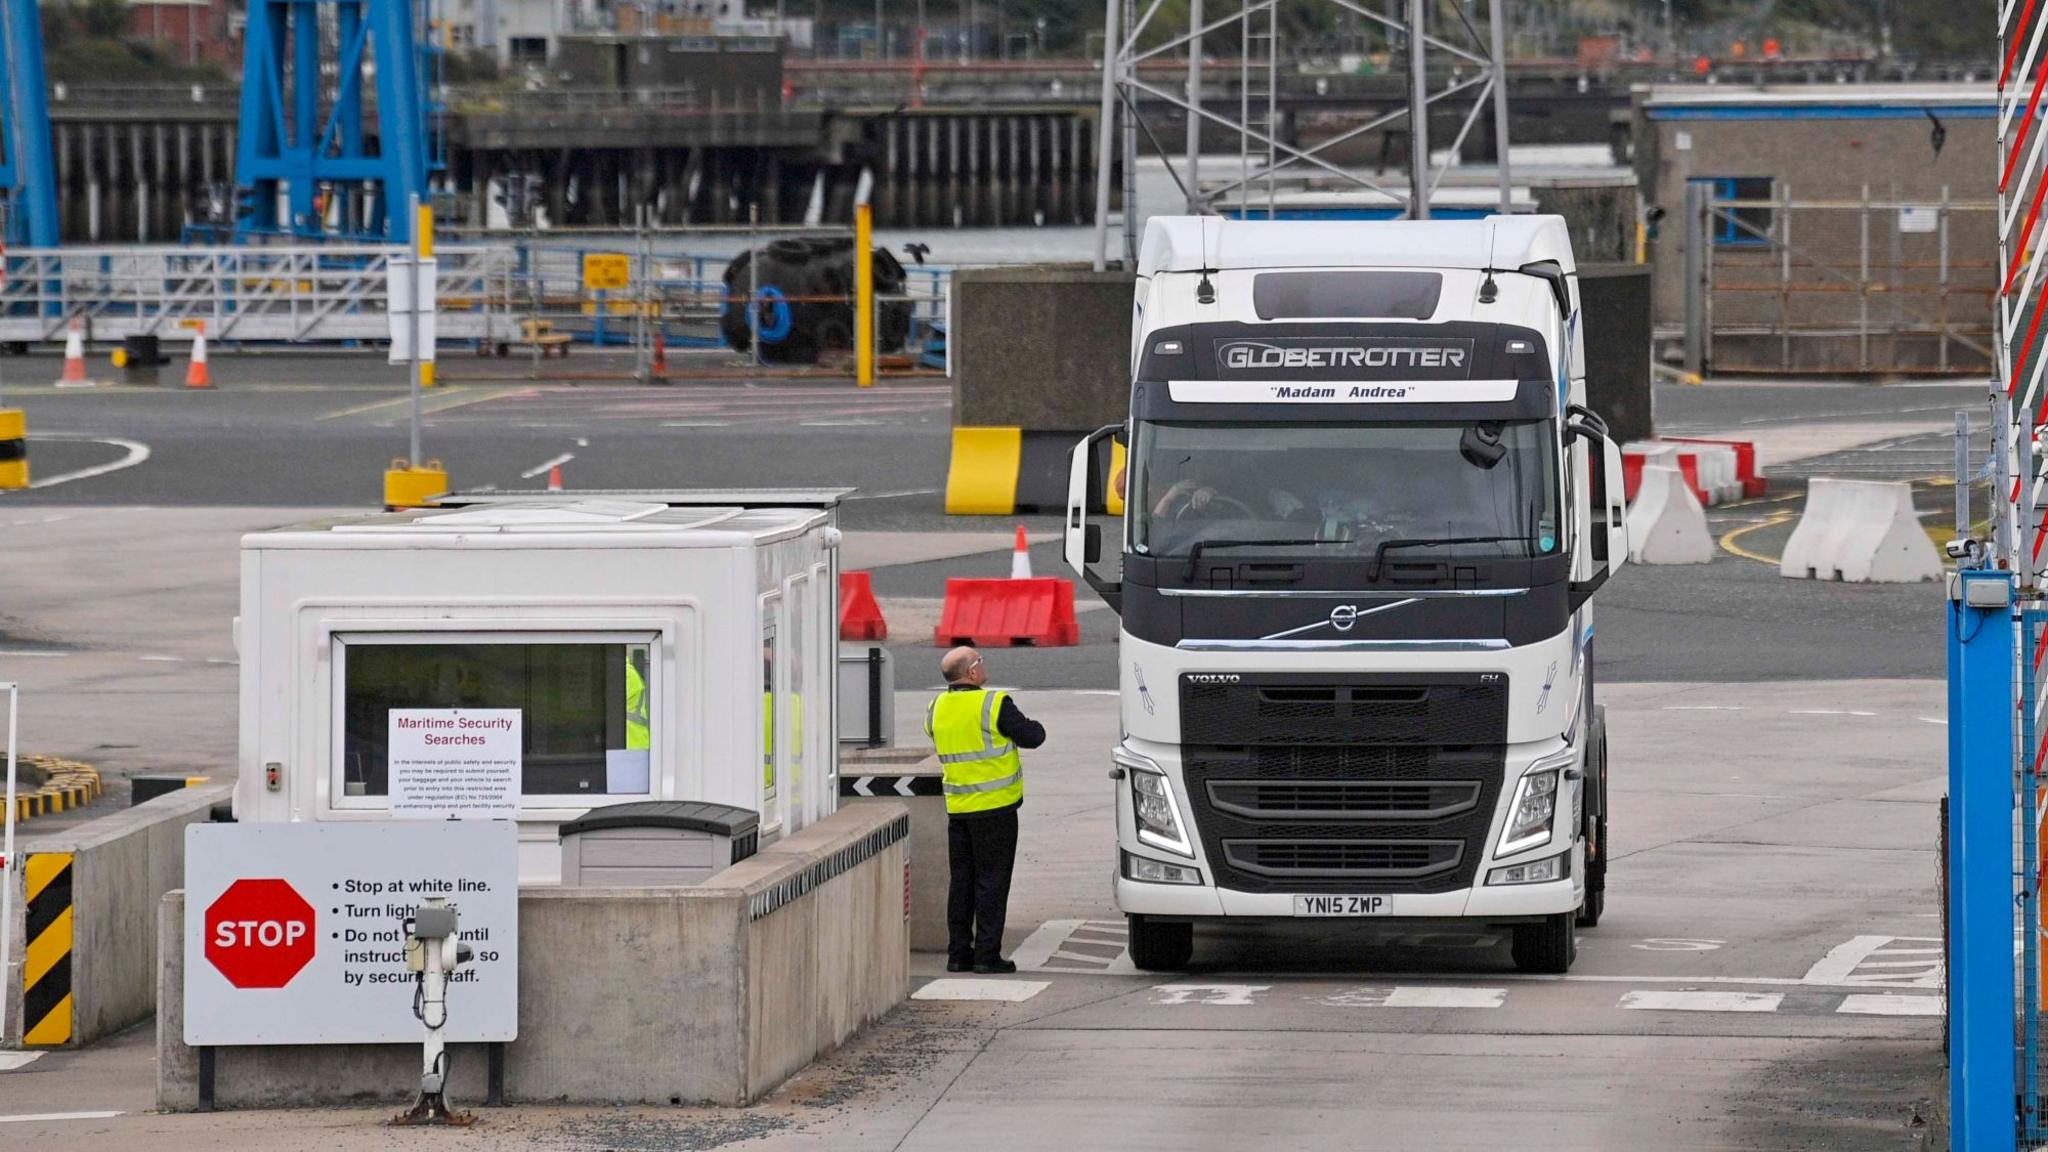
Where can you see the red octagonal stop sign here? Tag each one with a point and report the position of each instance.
(259, 933)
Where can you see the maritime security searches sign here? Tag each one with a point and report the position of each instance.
(1343, 370)
(295, 933)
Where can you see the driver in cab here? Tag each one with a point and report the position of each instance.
(1194, 498)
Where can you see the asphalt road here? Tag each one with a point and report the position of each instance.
(318, 432)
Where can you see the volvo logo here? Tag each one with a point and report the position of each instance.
(1214, 678)
(1342, 618)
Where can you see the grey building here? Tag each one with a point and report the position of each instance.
(1836, 229)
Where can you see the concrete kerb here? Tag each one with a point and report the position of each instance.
(1860, 531)
(120, 865)
(705, 995)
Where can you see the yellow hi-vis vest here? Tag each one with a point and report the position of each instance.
(637, 734)
(982, 769)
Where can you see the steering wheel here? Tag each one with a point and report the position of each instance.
(1208, 512)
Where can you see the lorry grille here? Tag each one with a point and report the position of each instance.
(1343, 859)
(1369, 783)
(1343, 799)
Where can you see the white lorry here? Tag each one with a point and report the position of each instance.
(1366, 507)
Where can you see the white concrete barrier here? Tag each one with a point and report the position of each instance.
(1666, 524)
(1860, 531)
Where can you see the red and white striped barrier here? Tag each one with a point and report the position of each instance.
(1717, 471)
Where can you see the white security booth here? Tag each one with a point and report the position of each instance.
(630, 646)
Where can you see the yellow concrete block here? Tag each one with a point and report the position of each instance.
(1111, 502)
(13, 424)
(13, 474)
(982, 479)
(406, 487)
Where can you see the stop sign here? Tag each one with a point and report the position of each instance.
(259, 933)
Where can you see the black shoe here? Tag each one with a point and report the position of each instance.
(995, 967)
(958, 966)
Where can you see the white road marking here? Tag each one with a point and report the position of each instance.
(1889, 1004)
(894, 495)
(163, 659)
(1038, 947)
(1662, 1001)
(1664, 944)
(9, 1061)
(17, 652)
(1704, 708)
(1224, 995)
(1826, 712)
(1412, 996)
(1931, 720)
(32, 522)
(137, 452)
(43, 1117)
(1045, 950)
(544, 465)
(695, 424)
(952, 988)
(1866, 962)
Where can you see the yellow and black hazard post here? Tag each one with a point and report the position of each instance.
(47, 1005)
(13, 448)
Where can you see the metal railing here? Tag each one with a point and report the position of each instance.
(294, 294)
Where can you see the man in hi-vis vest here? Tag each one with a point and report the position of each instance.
(977, 732)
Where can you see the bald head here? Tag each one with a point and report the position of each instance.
(962, 666)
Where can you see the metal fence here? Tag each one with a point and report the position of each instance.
(299, 295)
(1878, 283)
(528, 293)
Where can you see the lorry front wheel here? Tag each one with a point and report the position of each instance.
(1546, 948)
(1161, 947)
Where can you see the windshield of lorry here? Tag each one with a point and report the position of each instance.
(1378, 491)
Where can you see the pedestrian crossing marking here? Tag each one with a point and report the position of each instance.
(1080, 947)
(1881, 962)
(1416, 996)
(1889, 1004)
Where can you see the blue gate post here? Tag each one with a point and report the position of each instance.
(1982, 703)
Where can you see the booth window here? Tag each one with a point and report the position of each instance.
(1747, 226)
(799, 683)
(586, 707)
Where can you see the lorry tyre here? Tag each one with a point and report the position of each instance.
(1161, 947)
(1596, 823)
(1546, 948)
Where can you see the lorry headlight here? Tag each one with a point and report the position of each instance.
(1530, 817)
(1159, 871)
(1558, 867)
(1152, 804)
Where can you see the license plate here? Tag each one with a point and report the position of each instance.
(1343, 906)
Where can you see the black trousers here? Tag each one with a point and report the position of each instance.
(982, 850)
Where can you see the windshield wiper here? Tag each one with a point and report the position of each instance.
(1195, 550)
(1379, 554)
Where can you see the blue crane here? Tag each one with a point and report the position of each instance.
(303, 154)
(28, 175)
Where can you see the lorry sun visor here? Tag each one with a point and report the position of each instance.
(1346, 295)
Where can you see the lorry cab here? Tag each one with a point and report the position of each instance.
(1365, 510)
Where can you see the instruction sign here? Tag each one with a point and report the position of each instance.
(454, 762)
(295, 933)
(607, 271)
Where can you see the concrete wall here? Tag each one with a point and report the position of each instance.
(706, 995)
(122, 864)
(1601, 215)
(1042, 348)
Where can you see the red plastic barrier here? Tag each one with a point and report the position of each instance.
(1631, 475)
(1753, 484)
(1688, 466)
(1001, 613)
(860, 617)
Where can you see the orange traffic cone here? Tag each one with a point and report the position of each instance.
(196, 375)
(660, 368)
(555, 478)
(74, 360)
(1020, 557)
